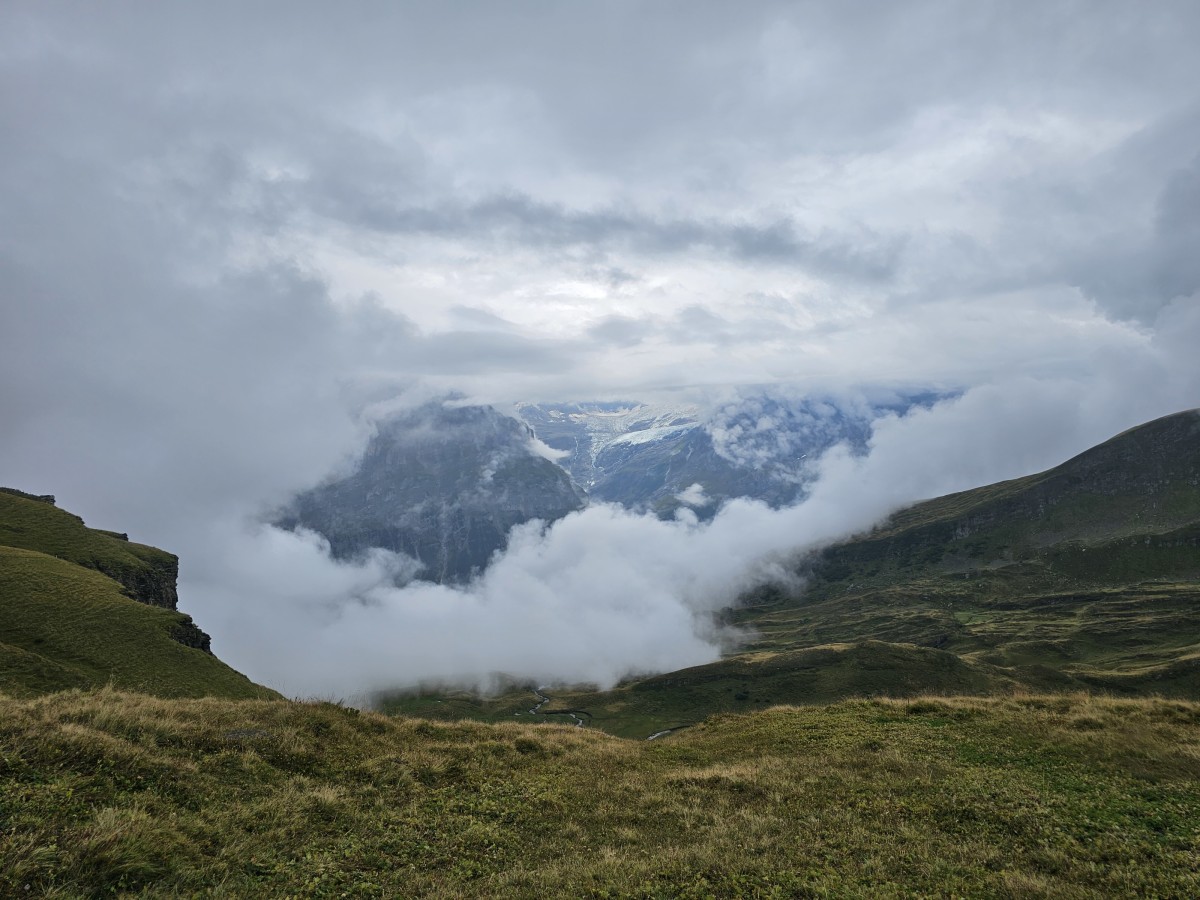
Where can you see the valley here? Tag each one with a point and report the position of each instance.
(1009, 677)
(1082, 578)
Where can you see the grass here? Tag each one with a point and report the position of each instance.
(63, 625)
(738, 684)
(80, 607)
(111, 793)
(29, 524)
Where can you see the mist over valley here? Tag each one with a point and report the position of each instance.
(599, 449)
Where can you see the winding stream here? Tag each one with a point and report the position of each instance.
(536, 710)
(543, 700)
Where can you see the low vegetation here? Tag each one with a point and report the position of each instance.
(32, 522)
(65, 626)
(70, 617)
(111, 793)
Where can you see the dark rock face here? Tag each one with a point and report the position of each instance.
(189, 634)
(650, 475)
(441, 484)
(153, 584)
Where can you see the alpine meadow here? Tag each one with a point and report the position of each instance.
(601, 449)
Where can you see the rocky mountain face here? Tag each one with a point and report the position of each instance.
(443, 484)
(644, 456)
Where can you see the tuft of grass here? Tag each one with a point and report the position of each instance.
(1071, 796)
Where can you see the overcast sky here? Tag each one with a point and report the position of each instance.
(226, 228)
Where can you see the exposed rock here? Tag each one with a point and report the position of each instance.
(441, 484)
(154, 583)
(189, 634)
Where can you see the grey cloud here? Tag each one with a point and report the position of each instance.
(175, 352)
(621, 331)
(467, 353)
(1142, 253)
(1177, 232)
(473, 317)
(520, 219)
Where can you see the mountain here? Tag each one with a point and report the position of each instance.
(1141, 489)
(1082, 579)
(88, 608)
(445, 482)
(441, 483)
(645, 455)
(1085, 577)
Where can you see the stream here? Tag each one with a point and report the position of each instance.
(536, 710)
(543, 700)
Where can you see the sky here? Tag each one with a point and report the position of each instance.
(230, 231)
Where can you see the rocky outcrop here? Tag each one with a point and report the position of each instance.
(40, 498)
(441, 484)
(153, 583)
(189, 634)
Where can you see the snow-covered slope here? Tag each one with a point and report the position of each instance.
(760, 445)
(445, 483)
(586, 430)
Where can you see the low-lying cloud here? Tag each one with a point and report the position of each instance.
(216, 261)
(605, 593)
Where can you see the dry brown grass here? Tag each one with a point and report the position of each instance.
(1026, 796)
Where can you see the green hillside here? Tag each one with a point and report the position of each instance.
(64, 623)
(1082, 578)
(33, 522)
(107, 793)
(1088, 573)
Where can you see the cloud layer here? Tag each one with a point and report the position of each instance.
(228, 233)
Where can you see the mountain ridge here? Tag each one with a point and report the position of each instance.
(84, 608)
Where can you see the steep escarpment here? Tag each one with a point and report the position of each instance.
(34, 522)
(1140, 485)
(83, 608)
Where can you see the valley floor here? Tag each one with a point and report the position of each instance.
(1064, 796)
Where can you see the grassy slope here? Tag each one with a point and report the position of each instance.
(740, 683)
(34, 525)
(64, 623)
(66, 626)
(1064, 797)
